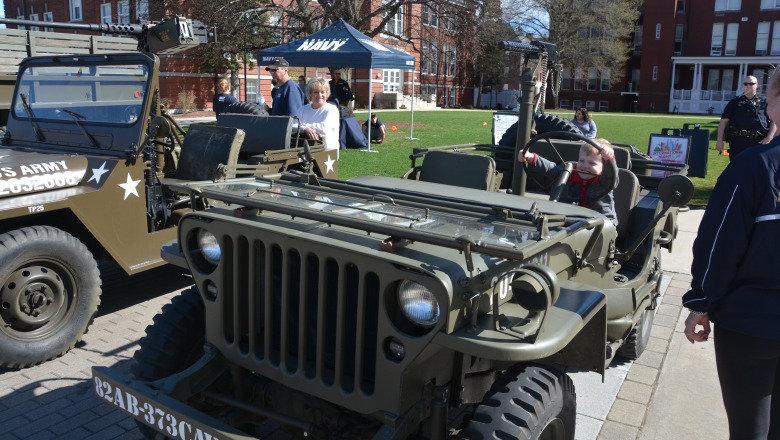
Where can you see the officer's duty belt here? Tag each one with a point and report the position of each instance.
(749, 134)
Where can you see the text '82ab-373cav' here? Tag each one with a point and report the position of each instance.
(392, 308)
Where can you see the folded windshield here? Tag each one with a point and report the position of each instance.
(98, 93)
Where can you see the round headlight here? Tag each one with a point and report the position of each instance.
(418, 303)
(209, 246)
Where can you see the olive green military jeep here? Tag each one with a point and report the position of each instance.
(394, 308)
(85, 164)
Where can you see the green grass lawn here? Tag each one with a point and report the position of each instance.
(452, 127)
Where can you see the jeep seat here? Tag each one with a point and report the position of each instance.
(460, 169)
(262, 132)
(626, 196)
(204, 148)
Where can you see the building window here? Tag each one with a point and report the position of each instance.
(762, 38)
(75, 10)
(395, 25)
(142, 11)
(452, 58)
(655, 73)
(123, 12)
(424, 58)
(48, 16)
(712, 79)
(716, 48)
(603, 106)
(579, 79)
(564, 103)
(678, 38)
(727, 5)
(105, 13)
(732, 31)
(638, 39)
(590, 105)
(658, 31)
(577, 104)
(566, 78)
(728, 80)
(251, 91)
(592, 78)
(425, 12)
(430, 17)
(21, 27)
(34, 17)
(680, 6)
(605, 77)
(391, 80)
(770, 4)
(775, 47)
(633, 86)
(275, 22)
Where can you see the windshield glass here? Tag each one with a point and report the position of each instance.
(89, 93)
(378, 211)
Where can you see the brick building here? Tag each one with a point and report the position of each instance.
(688, 56)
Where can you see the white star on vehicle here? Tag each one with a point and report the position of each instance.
(130, 186)
(329, 165)
(97, 173)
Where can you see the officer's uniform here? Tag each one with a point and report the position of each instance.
(748, 123)
(341, 91)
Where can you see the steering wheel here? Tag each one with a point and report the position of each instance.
(559, 186)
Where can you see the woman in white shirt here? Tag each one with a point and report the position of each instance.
(320, 118)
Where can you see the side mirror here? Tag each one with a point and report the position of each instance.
(675, 190)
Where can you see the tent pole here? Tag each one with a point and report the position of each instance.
(370, 87)
(411, 128)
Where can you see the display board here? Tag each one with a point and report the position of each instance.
(668, 148)
(501, 123)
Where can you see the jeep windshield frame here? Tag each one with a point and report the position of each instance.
(508, 238)
(110, 93)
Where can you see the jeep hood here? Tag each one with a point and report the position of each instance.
(25, 172)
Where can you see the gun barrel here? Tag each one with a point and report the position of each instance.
(106, 28)
(516, 46)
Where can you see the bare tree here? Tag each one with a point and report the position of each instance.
(589, 33)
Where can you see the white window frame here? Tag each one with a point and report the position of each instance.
(48, 17)
(251, 91)
(732, 33)
(775, 46)
(21, 26)
(123, 12)
(638, 39)
(579, 79)
(678, 38)
(391, 80)
(592, 79)
(564, 103)
(762, 37)
(395, 25)
(424, 57)
(728, 5)
(605, 80)
(713, 79)
(35, 17)
(566, 78)
(576, 104)
(727, 81)
(603, 106)
(658, 31)
(142, 12)
(716, 44)
(106, 14)
(590, 106)
(655, 73)
(76, 13)
(770, 4)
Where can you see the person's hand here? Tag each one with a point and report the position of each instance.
(311, 133)
(607, 153)
(691, 322)
(719, 146)
(766, 140)
(527, 158)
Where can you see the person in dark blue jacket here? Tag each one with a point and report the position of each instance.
(736, 285)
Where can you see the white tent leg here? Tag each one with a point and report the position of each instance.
(411, 127)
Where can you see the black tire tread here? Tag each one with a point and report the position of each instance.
(518, 403)
(87, 272)
(245, 108)
(177, 330)
(544, 122)
(635, 344)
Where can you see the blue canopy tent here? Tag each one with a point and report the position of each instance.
(341, 45)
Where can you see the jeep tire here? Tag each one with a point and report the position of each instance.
(544, 122)
(49, 294)
(526, 402)
(245, 108)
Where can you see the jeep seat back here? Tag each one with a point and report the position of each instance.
(626, 197)
(204, 148)
(262, 132)
(460, 169)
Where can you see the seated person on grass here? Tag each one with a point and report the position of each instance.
(377, 129)
(586, 181)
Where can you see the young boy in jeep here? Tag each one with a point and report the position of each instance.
(586, 181)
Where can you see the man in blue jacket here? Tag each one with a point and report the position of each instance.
(288, 96)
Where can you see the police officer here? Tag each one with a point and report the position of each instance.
(744, 121)
(339, 89)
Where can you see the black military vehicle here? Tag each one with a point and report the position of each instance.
(386, 308)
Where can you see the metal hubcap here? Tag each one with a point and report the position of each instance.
(32, 297)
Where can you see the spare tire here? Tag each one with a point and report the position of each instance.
(246, 108)
(544, 122)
